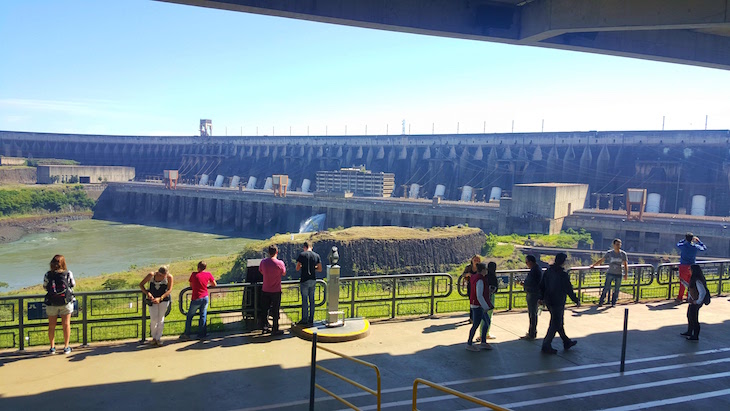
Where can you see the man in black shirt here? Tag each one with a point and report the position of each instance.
(309, 264)
(532, 291)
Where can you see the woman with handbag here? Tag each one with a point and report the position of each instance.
(158, 299)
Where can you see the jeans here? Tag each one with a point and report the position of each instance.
(270, 302)
(307, 288)
(556, 326)
(532, 299)
(616, 279)
(685, 273)
(479, 316)
(693, 319)
(157, 319)
(201, 305)
(488, 324)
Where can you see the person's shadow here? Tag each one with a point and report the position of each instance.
(669, 305)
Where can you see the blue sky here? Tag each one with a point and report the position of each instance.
(149, 68)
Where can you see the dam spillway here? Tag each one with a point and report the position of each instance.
(260, 212)
(677, 166)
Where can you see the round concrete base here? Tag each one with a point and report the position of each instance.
(354, 329)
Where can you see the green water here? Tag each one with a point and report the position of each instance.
(93, 247)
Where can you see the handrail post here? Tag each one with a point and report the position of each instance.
(720, 271)
(312, 373)
(580, 285)
(511, 283)
(353, 284)
(144, 320)
(21, 328)
(393, 295)
(256, 304)
(637, 283)
(433, 294)
(84, 321)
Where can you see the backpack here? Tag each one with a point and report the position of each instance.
(706, 301)
(58, 290)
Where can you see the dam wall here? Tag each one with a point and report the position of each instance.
(677, 165)
(260, 212)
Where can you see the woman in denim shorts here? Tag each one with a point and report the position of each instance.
(58, 266)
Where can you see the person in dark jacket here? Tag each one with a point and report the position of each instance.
(554, 288)
(697, 296)
(532, 294)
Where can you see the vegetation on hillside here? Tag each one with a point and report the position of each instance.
(35, 162)
(23, 201)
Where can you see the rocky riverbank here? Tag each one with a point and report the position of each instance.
(14, 228)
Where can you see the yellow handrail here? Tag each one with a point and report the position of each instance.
(452, 392)
(375, 392)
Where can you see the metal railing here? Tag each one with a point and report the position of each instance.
(244, 298)
(100, 316)
(717, 273)
(587, 282)
(390, 296)
(455, 393)
(315, 367)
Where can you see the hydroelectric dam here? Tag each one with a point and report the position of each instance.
(684, 170)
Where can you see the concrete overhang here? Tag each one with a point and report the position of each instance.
(694, 32)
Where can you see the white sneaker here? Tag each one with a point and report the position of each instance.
(472, 347)
(485, 346)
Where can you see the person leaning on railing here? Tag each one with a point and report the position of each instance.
(199, 281)
(158, 299)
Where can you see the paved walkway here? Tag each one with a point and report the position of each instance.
(251, 372)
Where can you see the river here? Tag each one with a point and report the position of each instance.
(94, 247)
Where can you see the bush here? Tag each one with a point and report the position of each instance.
(25, 201)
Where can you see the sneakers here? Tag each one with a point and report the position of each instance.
(572, 343)
(52, 351)
(491, 337)
(183, 337)
(551, 351)
(485, 346)
(693, 338)
(528, 337)
(277, 332)
(67, 350)
(472, 347)
(686, 334)
(159, 343)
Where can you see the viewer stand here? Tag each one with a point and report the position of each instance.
(335, 317)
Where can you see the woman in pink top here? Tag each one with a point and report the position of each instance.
(199, 281)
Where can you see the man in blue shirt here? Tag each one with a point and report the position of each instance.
(688, 249)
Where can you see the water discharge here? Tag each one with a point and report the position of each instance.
(312, 224)
(93, 247)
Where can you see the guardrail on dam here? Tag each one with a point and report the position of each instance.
(260, 211)
(676, 166)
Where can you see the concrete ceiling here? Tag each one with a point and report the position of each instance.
(695, 32)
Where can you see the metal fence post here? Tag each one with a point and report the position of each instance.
(84, 322)
(433, 294)
(313, 373)
(580, 286)
(623, 344)
(21, 328)
(721, 272)
(395, 284)
(144, 320)
(511, 283)
(353, 284)
(637, 283)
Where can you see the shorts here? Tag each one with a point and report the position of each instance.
(59, 310)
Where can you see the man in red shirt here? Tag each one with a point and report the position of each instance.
(199, 281)
(272, 269)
